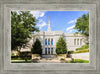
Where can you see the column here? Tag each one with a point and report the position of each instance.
(79, 41)
(50, 41)
(50, 50)
(54, 50)
(47, 41)
(76, 41)
(44, 50)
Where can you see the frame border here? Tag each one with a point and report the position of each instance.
(5, 30)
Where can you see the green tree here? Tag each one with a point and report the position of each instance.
(82, 24)
(36, 47)
(61, 47)
(22, 25)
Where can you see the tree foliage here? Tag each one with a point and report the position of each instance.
(36, 47)
(61, 47)
(22, 25)
(82, 25)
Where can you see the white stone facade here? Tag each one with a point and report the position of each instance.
(72, 41)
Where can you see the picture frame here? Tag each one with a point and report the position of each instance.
(22, 68)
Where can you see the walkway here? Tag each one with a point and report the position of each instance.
(84, 56)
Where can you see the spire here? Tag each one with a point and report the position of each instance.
(49, 29)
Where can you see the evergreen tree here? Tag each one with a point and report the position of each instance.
(36, 47)
(61, 47)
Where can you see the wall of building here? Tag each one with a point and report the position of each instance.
(73, 41)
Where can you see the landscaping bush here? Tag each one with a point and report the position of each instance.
(70, 52)
(21, 58)
(78, 61)
(82, 51)
(83, 47)
(12, 54)
(62, 58)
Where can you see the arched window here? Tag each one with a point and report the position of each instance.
(48, 41)
(80, 41)
(51, 41)
(45, 41)
(77, 41)
(74, 41)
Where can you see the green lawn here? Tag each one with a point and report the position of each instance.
(20, 58)
(78, 61)
(83, 47)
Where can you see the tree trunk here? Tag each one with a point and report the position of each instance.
(19, 48)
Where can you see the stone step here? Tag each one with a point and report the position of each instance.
(48, 56)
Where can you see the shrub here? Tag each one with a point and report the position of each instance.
(21, 58)
(83, 47)
(12, 54)
(62, 58)
(24, 55)
(82, 51)
(70, 52)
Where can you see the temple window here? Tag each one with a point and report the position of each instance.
(48, 41)
(45, 41)
(74, 41)
(51, 41)
(77, 41)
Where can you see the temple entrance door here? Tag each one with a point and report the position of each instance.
(48, 50)
(51, 50)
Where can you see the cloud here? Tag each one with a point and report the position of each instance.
(38, 14)
(70, 29)
(72, 21)
(41, 23)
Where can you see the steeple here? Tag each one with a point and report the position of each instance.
(49, 29)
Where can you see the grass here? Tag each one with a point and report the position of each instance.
(78, 61)
(82, 51)
(83, 47)
(19, 59)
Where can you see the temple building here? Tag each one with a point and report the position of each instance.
(49, 39)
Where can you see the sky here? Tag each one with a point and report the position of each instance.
(59, 20)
